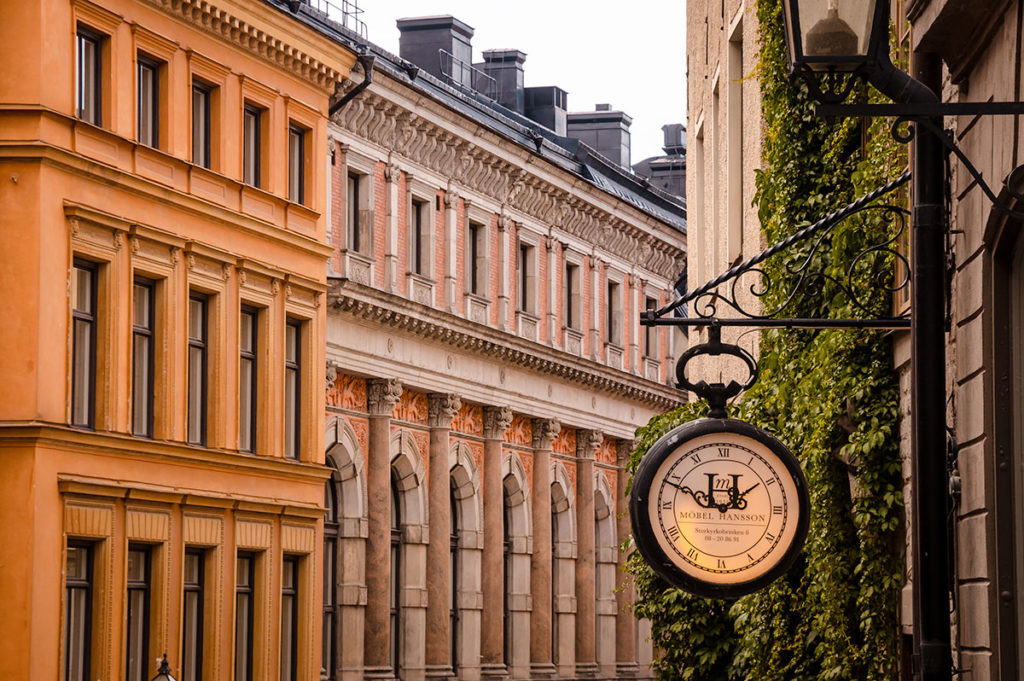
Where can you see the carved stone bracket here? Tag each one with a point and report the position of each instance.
(382, 394)
(331, 373)
(496, 422)
(442, 408)
(587, 443)
(544, 431)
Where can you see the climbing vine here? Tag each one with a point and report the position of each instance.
(833, 398)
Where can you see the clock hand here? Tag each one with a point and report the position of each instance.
(743, 494)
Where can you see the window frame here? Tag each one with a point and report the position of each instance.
(89, 586)
(202, 344)
(145, 585)
(91, 318)
(249, 591)
(149, 332)
(255, 140)
(83, 34)
(290, 563)
(526, 276)
(197, 587)
(293, 395)
(201, 87)
(251, 357)
(476, 258)
(145, 61)
(613, 313)
(297, 176)
(419, 223)
(572, 283)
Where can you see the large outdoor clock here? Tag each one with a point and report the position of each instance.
(719, 508)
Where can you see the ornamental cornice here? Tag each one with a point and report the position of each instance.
(408, 316)
(375, 118)
(223, 24)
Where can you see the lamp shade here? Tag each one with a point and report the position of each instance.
(835, 35)
(164, 672)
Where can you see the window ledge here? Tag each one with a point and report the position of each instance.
(476, 308)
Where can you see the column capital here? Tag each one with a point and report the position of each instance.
(544, 431)
(451, 199)
(442, 408)
(382, 394)
(496, 422)
(623, 449)
(587, 443)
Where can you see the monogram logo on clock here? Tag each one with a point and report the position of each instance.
(720, 507)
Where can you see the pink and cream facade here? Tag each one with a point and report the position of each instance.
(486, 373)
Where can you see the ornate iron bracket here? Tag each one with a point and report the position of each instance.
(810, 281)
(716, 394)
(925, 115)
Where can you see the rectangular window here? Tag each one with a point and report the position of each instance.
(613, 310)
(650, 332)
(201, 148)
(197, 371)
(192, 617)
(418, 243)
(142, 357)
(526, 276)
(88, 78)
(77, 611)
(137, 662)
(292, 396)
(289, 618)
(83, 351)
(476, 266)
(353, 212)
(247, 337)
(573, 304)
(148, 105)
(296, 164)
(244, 602)
(252, 121)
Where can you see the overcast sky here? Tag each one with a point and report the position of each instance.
(628, 54)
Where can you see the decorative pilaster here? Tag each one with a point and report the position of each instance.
(451, 205)
(392, 174)
(625, 622)
(596, 351)
(492, 628)
(505, 224)
(544, 431)
(587, 443)
(381, 396)
(552, 282)
(441, 409)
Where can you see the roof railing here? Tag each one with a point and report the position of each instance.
(465, 76)
(342, 13)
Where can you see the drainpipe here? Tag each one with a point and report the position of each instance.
(366, 61)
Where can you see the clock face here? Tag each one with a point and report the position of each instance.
(721, 506)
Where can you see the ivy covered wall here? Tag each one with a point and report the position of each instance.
(832, 397)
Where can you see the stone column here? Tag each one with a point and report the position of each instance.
(381, 396)
(587, 442)
(544, 431)
(451, 205)
(442, 407)
(625, 622)
(392, 173)
(492, 628)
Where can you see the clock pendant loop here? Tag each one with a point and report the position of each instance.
(716, 395)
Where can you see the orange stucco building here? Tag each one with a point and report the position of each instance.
(162, 262)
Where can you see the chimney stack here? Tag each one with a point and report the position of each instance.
(422, 39)
(547, 106)
(605, 130)
(506, 68)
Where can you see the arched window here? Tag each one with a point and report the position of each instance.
(454, 577)
(506, 528)
(328, 660)
(396, 568)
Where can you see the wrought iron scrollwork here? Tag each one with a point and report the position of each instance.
(869, 273)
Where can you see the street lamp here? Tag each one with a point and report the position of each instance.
(164, 672)
(836, 35)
